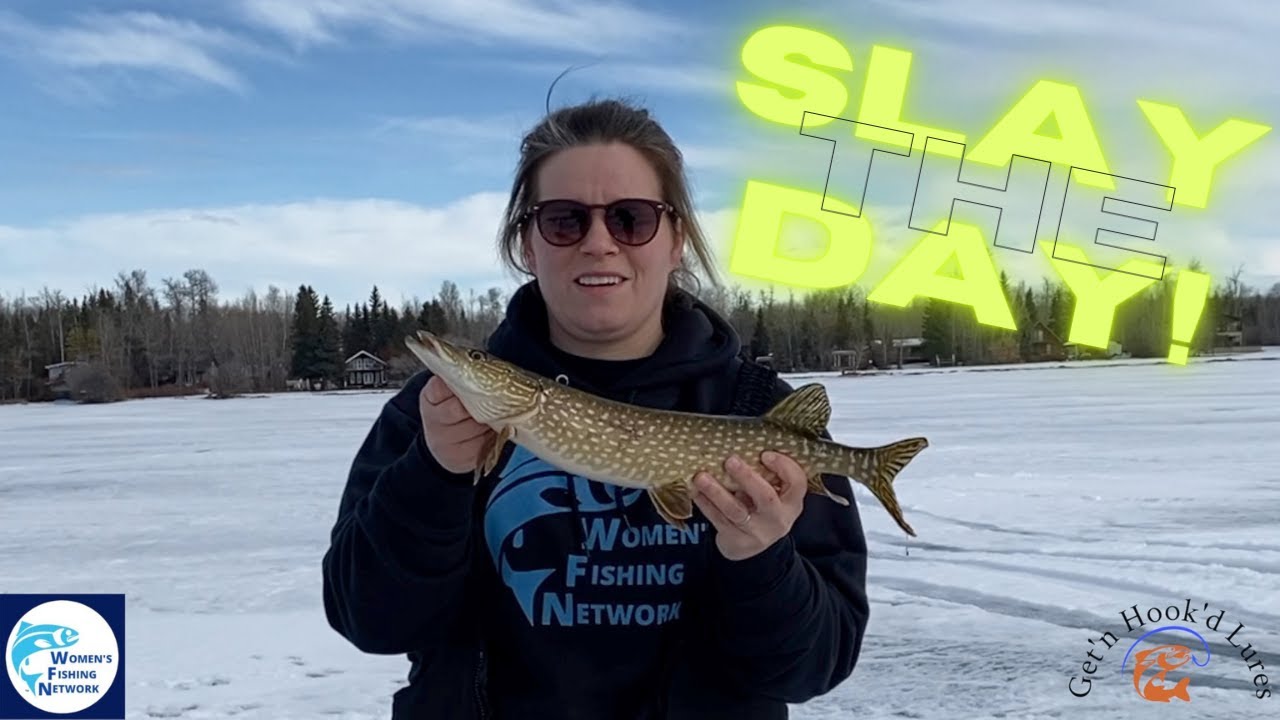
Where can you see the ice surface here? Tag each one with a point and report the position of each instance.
(1052, 498)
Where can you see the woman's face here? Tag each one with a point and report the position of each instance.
(603, 320)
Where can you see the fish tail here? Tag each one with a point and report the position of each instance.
(1180, 690)
(30, 680)
(877, 468)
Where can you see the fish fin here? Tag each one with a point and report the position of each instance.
(887, 462)
(673, 502)
(817, 487)
(806, 411)
(491, 451)
(22, 626)
(42, 643)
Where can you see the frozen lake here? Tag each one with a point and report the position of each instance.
(1051, 499)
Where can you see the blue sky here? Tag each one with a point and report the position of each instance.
(344, 144)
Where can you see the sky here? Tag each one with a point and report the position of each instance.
(372, 142)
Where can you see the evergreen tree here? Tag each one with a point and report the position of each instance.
(329, 350)
(936, 328)
(433, 318)
(380, 324)
(760, 337)
(306, 335)
(360, 335)
(349, 341)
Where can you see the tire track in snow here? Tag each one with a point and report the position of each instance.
(1074, 620)
(1097, 581)
(1260, 566)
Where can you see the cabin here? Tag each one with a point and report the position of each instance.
(908, 351)
(1229, 333)
(58, 379)
(365, 370)
(846, 361)
(1045, 344)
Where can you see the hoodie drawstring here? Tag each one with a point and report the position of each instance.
(617, 491)
(579, 534)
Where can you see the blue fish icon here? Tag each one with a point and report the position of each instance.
(531, 489)
(34, 639)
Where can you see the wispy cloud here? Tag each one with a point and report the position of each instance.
(551, 24)
(446, 128)
(342, 246)
(118, 45)
(596, 74)
(1171, 21)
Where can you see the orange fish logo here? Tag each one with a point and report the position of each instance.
(1161, 660)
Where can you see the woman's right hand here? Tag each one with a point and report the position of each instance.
(453, 436)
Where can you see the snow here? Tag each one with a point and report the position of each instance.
(1052, 498)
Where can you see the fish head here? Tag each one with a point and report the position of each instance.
(1174, 656)
(489, 388)
(66, 636)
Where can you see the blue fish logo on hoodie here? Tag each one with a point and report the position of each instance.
(530, 489)
(620, 566)
(34, 639)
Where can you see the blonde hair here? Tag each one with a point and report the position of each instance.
(601, 122)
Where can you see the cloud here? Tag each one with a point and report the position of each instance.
(342, 247)
(550, 24)
(599, 75)
(448, 128)
(1166, 46)
(82, 57)
(1190, 22)
(116, 46)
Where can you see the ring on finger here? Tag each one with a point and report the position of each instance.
(745, 520)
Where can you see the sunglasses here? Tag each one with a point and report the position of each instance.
(631, 221)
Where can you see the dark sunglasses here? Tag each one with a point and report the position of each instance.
(631, 221)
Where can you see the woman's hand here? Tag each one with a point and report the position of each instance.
(758, 515)
(452, 435)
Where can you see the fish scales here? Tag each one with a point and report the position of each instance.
(659, 451)
(644, 450)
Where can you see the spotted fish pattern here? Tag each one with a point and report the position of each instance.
(659, 451)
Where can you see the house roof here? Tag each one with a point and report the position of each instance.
(366, 354)
(1042, 325)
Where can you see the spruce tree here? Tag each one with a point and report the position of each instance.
(329, 357)
(760, 336)
(306, 335)
(936, 328)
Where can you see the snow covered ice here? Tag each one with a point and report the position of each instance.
(1052, 498)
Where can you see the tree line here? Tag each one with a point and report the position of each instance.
(137, 339)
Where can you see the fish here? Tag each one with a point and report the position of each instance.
(658, 451)
(1165, 658)
(32, 639)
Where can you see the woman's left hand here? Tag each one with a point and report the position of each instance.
(758, 514)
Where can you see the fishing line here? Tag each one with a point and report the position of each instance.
(564, 72)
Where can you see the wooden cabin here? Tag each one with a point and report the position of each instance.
(365, 370)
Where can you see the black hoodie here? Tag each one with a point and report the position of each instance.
(538, 594)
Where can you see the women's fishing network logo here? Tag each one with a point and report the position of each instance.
(62, 655)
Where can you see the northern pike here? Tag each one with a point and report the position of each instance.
(660, 451)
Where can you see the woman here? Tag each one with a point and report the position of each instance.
(536, 594)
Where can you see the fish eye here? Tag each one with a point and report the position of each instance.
(475, 355)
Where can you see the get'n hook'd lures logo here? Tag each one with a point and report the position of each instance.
(63, 654)
(1180, 650)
